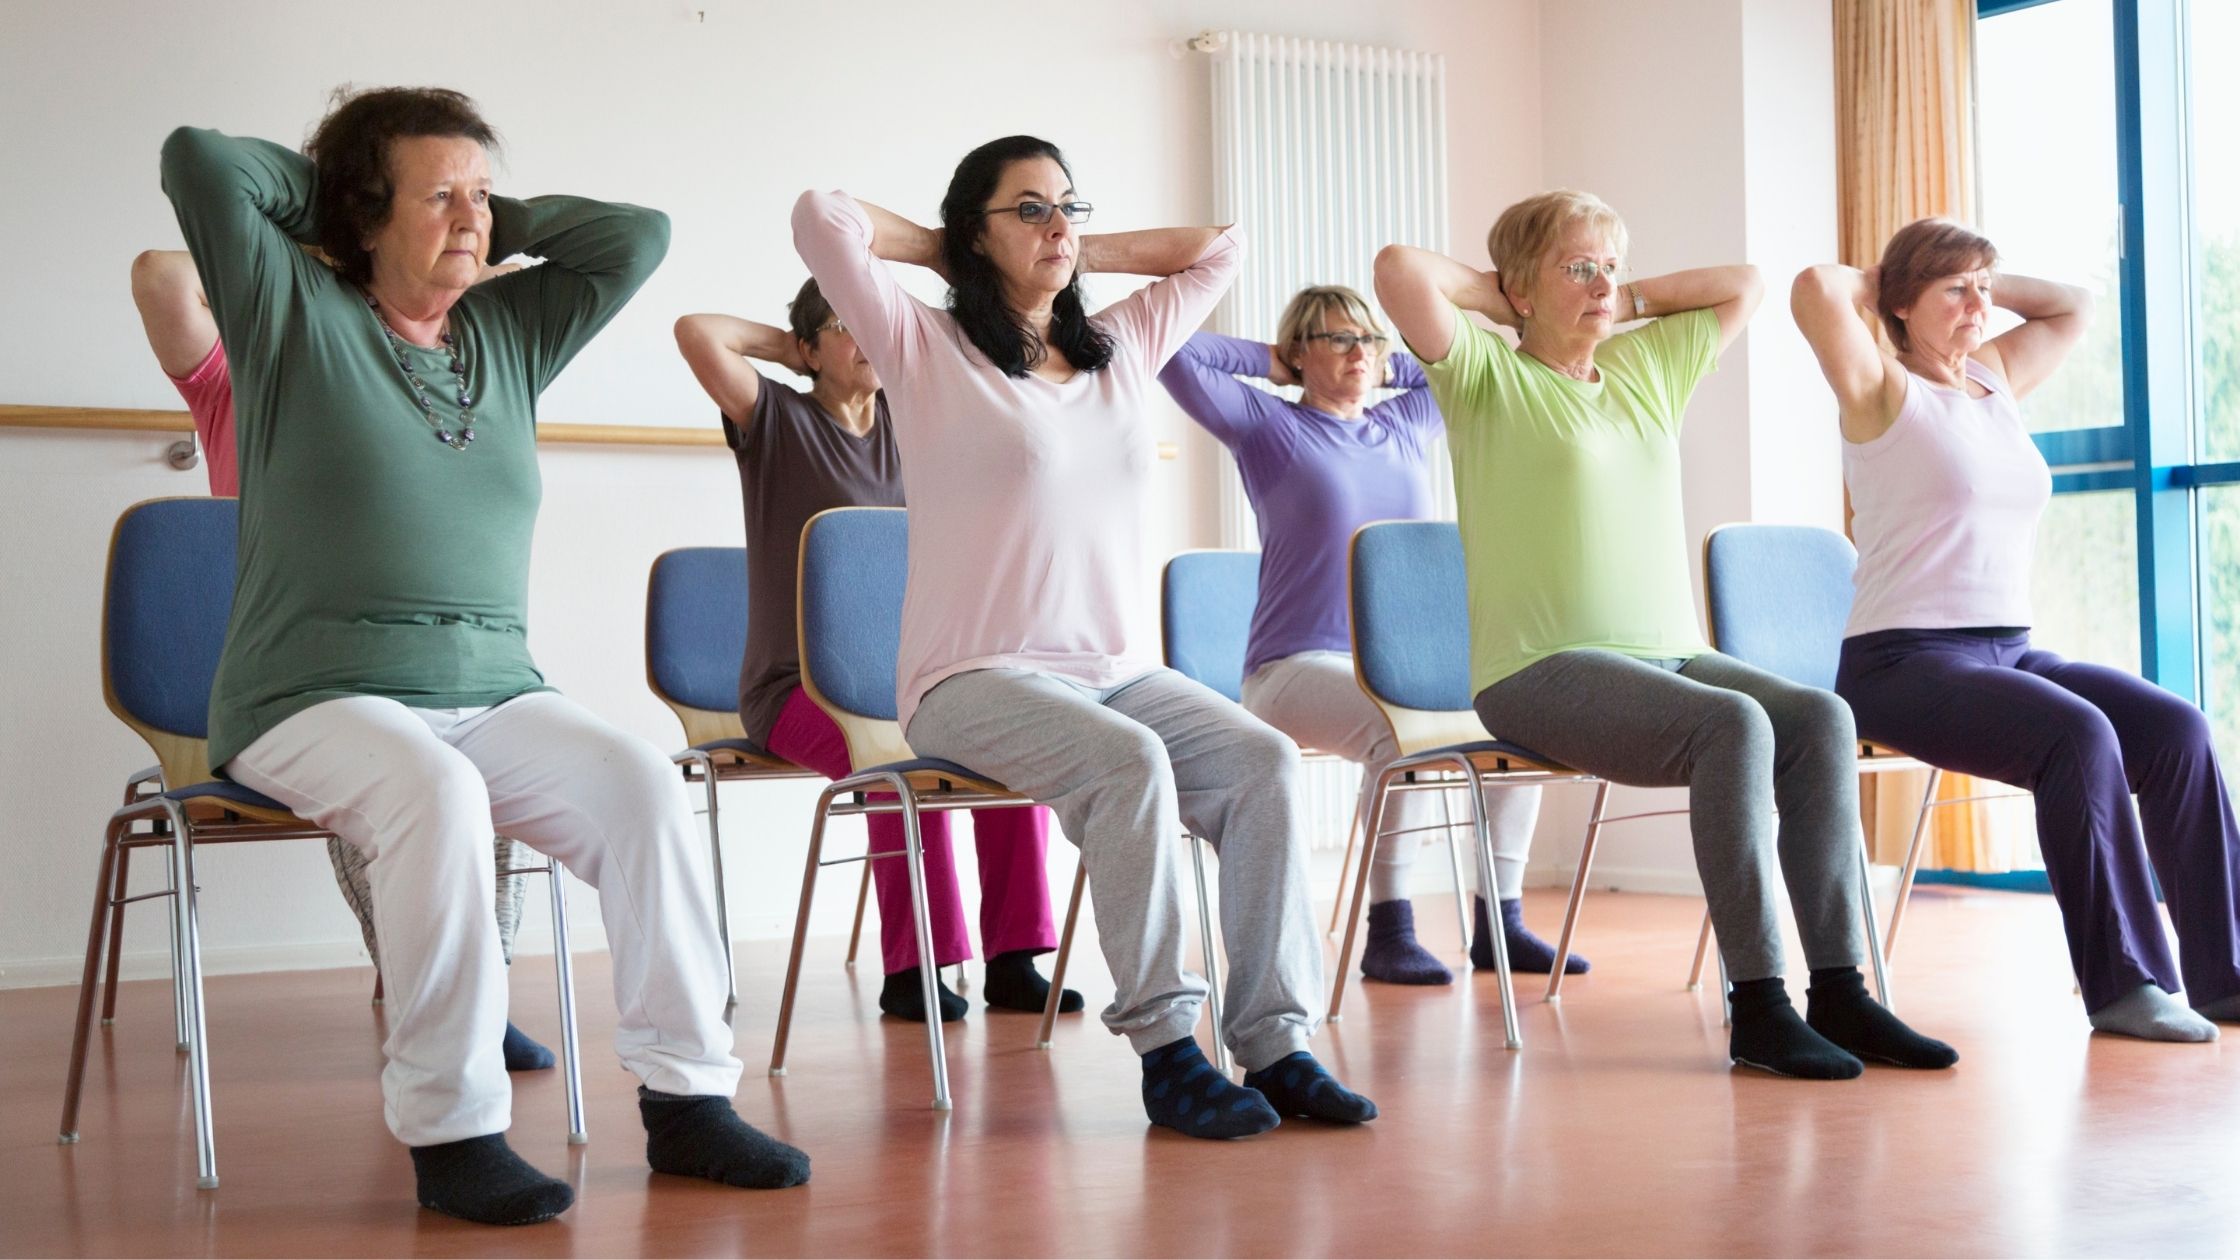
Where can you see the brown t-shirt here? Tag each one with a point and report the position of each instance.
(794, 462)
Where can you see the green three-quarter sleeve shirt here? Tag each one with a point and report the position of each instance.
(374, 559)
(1568, 494)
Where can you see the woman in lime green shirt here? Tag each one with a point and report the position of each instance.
(1584, 639)
(376, 676)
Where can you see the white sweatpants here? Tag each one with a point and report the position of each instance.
(421, 790)
(1314, 698)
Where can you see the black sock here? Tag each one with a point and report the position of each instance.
(1296, 1085)
(1838, 1008)
(480, 1179)
(1769, 1035)
(1183, 1092)
(701, 1136)
(1014, 985)
(904, 997)
(1528, 954)
(523, 1054)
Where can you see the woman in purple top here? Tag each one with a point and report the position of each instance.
(1316, 470)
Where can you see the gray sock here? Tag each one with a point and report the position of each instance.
(2225, 1009)
(2148, 1012)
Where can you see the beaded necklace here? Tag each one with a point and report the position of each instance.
(455, 440)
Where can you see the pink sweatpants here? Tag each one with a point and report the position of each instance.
(1012, 844)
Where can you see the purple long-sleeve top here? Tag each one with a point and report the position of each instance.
(1313, 479)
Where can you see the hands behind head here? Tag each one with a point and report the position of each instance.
(1279, 371)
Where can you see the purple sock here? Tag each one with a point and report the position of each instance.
(1527, 953)
(1392, 954)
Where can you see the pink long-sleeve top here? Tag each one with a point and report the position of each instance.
(1026, 495)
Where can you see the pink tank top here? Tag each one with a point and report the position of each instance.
(1946, 510)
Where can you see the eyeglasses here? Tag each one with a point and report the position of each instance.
(1344, 342)
(1040, 211)
(831, 326)
(1582, 272)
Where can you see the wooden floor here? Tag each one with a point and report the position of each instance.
(1619, 1129)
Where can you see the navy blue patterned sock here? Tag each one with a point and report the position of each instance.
(1393, 954)
(1838, 1008)
(699, 1135)
(904, 997)
(480, 1179)
(523, 1054)
(1527, 952)
(1770, 1036)
(1296, 1085)
(1013, 984)
(1183, 1092)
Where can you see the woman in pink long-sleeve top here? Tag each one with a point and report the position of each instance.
(1024, 425)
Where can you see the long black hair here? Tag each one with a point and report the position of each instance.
(975, 287)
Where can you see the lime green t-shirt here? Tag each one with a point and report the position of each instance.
(1569, 494)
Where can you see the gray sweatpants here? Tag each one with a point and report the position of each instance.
(1313, 698)
(1126, 771)
(1742, 742)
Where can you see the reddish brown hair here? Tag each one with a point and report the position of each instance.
(1921, 253)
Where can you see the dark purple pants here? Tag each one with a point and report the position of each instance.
(2084, 739)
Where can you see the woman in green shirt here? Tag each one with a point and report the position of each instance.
(376, 676)
(1584, 640)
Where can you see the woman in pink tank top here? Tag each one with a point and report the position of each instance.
(1948, 488)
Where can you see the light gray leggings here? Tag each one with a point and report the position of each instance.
(1125, 770)
(1742, 741)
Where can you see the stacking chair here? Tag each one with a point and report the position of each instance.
(696, 634)
(169, 593)
(1411, 655)
(1778, 598)
(854, 570)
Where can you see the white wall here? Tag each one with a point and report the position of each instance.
(718, 121)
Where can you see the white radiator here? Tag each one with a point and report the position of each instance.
(1325, 153)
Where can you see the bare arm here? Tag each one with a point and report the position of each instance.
(2054, 317)
(1420, 290)
(1832, 305)
(1157, 252)
(1731, 293)
(717, 348)
(173, 309)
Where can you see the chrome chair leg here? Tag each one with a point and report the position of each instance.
(1065, 954)
(1454, 857)
(198, 1034)
(1484, 830)
(1874, 931)
(855, 934)
(563, 965)
(1703, 946)
(800, 934)
(1578, 891)
(181, 1033)
(81, 1039)
(1913, 866)
(119, 892)
(928, 969)
(1345, 863)
(1378, 797)
(723, 896)
(1213, 956)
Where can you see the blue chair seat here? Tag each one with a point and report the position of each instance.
(1494, 747)
(227, 791)
(930, 765)
(744, 747)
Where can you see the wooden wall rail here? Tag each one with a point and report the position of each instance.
(114, 420)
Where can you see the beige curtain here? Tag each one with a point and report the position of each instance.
(1905, 141)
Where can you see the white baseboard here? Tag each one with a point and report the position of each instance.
(250, 959)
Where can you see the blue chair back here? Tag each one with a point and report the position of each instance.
(855, 565)
(164, 611)
(696, 626)
(1778, 597)
(1411, 614)
(1206, 600)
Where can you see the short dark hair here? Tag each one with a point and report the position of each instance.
(807, 314)
(975, 288)
(1918, 255)
(350, 152)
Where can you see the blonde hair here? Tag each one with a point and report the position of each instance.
(1527, 232)
(1309, 311)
